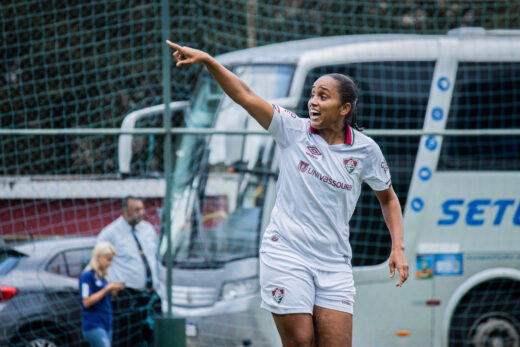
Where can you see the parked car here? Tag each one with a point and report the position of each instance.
(39, 301)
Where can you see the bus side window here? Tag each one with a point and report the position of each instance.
(485, 97)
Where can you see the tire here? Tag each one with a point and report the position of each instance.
(42, 343)
(494, 329)
(488, 315)
(40, 339)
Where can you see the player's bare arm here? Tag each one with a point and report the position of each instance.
(391, 209)
(233, 86)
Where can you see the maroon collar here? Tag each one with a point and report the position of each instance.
(348, 136)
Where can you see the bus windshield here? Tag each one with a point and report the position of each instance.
(219, 181)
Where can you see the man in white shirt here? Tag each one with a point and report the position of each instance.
(135, 264)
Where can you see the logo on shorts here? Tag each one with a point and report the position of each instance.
(275, 237)
(303, 166)
(350, 164)
(278, 294)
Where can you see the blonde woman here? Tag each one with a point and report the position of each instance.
(95, 301)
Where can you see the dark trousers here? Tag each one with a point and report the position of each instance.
(134, 314)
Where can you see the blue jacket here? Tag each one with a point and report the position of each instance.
(98, 315)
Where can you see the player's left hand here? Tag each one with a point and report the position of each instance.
(398, 261)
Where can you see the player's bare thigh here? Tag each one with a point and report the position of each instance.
(296, 330)
(325, 328)
(332, 328)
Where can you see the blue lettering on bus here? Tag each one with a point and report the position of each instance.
(473, 211)
(502, 205)
(516, 218)
(446, 208)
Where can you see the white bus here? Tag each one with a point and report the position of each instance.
(433, 104)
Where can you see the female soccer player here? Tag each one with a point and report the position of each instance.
(305, 269)
(95, 301)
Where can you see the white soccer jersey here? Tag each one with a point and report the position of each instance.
(317, 190)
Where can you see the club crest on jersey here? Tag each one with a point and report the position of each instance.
(278, 294)
(303, 166)
(350, 164)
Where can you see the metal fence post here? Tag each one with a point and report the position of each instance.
(168, 330)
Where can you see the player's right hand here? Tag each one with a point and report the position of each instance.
(185, 55)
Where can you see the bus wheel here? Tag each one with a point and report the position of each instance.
(488, 316)
(494, 329)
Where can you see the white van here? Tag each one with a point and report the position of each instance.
(433, 104)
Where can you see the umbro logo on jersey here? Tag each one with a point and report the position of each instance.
(314, 150)
(350, 164)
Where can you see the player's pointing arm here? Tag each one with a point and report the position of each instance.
(233, 86)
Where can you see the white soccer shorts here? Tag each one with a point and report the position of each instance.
(290, 285)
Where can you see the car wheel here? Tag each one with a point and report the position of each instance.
(39, 340)
(41, 343)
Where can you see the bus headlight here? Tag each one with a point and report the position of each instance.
(234, 289)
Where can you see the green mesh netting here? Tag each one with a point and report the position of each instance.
(74, 64)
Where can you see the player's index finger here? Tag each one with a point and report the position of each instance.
(174, 45)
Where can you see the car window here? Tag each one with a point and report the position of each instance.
(57, 265)
(8, 260)
(76, 261)
(70, 263)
